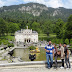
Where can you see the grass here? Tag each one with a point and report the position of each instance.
(42, 35)
(5, 39)
(45, 35)
(10, 37)
(42, 55)
(52, 35)
(47, 38)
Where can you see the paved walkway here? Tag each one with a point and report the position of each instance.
(32, 68)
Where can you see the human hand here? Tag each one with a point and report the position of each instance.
(53, 55)
(47, 51)
(67, 56)
(64, 54)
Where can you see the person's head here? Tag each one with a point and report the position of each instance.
(54, 44)
(65, 44)
(60, 45)
(49, 42)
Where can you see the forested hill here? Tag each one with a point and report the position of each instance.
(34, 11)
(38, 17)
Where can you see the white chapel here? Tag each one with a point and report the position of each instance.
(26, 36)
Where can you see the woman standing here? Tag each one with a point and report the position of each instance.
(55, 55)
(66, 56)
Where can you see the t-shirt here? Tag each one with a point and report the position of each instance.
(50, 48)
(65, 50)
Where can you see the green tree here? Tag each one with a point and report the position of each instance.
(23, 24)
(3, 26)
(36, 26)
(13, 27)
(67, 41)
(71, 41)
(69, 28)
(59, 28)
(61, 41)
(47, 27)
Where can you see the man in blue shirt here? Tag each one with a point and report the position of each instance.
(49, 54)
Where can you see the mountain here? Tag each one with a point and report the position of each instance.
(35, 11)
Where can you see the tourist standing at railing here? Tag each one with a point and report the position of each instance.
(49, 54)
(62, 54)
(66, 56)
(55, 54)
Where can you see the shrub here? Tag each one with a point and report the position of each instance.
(53, 40)
(32, 47)
(71, 41)
(67, 41)
(0, 42)
(57, 41)
(2, 48)
(5, 42)
(61, 41)
(10, 45)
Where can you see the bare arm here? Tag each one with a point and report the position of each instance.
(56, 50)
(46, 50)
(53, 52)
(67, 53)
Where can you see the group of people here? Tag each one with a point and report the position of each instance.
(53, 52)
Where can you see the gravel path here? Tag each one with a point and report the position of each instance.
(32, 68)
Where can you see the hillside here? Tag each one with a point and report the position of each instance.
(35, 11)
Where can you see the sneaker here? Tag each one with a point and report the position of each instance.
(69, 67)
(61, 67)
(55, 68)
(48, 67)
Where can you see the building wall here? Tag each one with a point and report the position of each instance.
(22, 38)
(26, 35)
(35, 38)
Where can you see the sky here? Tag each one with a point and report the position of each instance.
(48, 3)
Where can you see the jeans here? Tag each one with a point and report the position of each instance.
(56, 62)
(67, 62)
(49, 57)
(62, 62)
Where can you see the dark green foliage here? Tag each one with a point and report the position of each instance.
(12, 27)
(59, 28)
(3, 26)
(11, 20)
(2, 48)
(10, 45)
(71, 41)
(67, 41)
(69, 28)
(57, 41)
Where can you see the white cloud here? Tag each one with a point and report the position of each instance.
(49, 3)
(1, 3)
(67, 4)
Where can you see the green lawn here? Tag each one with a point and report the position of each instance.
(10, 37)
(52, 35)
(5, 39)
(42, 35)
(45, 37)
